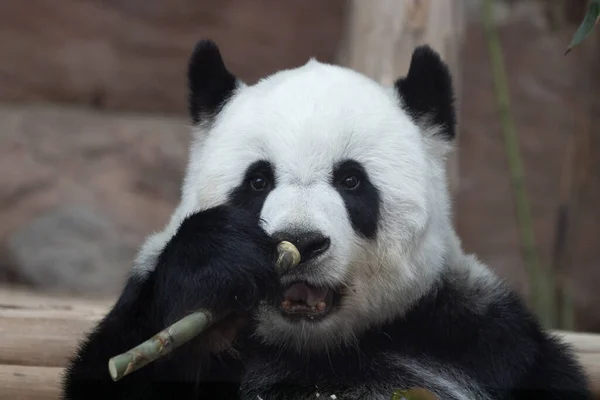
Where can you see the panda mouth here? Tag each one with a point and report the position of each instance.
(303, 300)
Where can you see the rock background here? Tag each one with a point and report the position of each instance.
(132, 54)
(81, 183)
(80, 190)
(548, 104)
(93, 128)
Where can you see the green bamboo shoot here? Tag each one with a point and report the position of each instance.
(185, 329)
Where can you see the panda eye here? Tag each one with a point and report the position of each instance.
(350, 182)
(258, 183)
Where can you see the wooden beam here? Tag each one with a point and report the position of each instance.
(39, 333)
(587, 350)
(19, 382)
(38, 329)
(42, 341)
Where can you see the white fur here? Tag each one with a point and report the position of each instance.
(441, 380)
(303, 121)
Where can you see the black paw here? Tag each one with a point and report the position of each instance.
(219, 259)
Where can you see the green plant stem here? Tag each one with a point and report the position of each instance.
(540, 282)
(186, 328)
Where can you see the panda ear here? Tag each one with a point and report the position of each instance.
(427, 94)
(210, 83)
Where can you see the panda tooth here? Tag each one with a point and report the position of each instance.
(286, 304)
(321, 305)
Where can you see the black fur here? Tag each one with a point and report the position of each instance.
(427, 91)
(210, 83)
(362, 203)
(499, 347)
(244, 196)
(219, 259)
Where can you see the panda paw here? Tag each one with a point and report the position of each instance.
(219, 259)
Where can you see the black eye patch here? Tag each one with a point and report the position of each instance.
(258, 182)
(360, 196)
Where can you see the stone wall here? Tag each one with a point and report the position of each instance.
(549, 105)
(80, 190)
(132, 54)
(81, 187)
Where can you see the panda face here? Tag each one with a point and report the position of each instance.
(344, 168)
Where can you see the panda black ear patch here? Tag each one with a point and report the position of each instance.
(427, 91)
(210, 83)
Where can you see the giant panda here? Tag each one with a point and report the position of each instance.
(353, 173)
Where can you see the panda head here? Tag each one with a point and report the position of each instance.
(350, 171)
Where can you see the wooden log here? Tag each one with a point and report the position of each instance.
(19, 382)
(40, 329)
(16, 298)
(587, 349)
(39, 333)
(40, 341)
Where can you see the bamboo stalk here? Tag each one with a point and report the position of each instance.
(540, 280)
(577, 169)
(185, 329)
(288, 257)
(160, 344)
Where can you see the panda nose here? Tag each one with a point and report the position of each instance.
(309, 244)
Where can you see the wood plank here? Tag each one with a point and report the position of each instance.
(587, 349)
(21, 298)
(40, 341)
(30, 383)
(39, 333)
(43, 329)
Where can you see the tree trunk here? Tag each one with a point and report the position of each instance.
(382, 34)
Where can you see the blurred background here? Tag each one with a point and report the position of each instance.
(94, 127)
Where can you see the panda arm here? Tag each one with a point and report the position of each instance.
(554, 374)
(526, 357)
(523, 358)
(127, 324)
(515, 354)
(485, 338)
(219, 259)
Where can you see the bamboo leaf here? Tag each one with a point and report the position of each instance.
(587, 25)
(413, 394)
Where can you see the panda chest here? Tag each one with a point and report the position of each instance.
(321, 378)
